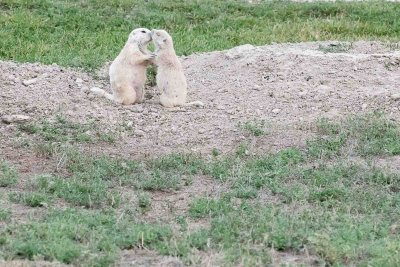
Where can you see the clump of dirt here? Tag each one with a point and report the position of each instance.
(286, 85)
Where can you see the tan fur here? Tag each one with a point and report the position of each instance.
(128, 70)
(170, 78)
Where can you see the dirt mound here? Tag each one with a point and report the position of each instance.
(286, 85)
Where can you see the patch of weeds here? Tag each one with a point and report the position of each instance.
(242, 150)
(336, 47)
(393, 46)
(31, 199)
(151, 75)
(185, 164)
(268, 171)
(181, 220)
(158, 180)
(327, 194)
(255, 128)
(79, 190)
(203, 207)
(90, 238)
(30, 128)
(369, 135)
(144, 201)
(245, 192)
(62, 130)
(374, 134)
(215, 152)
(199, 239)
(222, 169)
(5, 214)
(45, 149)
(8, 175)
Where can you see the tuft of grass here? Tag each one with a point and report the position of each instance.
(144, 201)
(90, 238)
(8, 175)
(92, 32)
(62, 130)
(31, 199)
(255, 128)
(5, 214)
(336, 47)
(368, 135)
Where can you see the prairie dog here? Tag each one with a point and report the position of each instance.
(128, 70)
(170, 78)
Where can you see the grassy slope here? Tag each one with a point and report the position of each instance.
(88, 33)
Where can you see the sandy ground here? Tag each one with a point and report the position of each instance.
(288, 86)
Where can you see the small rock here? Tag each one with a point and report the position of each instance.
(364, 106)
(323, 88)
(220, 107)
(238, 51)
(85, 89)
(139, 133)
(137, 108)
(15, 118)
(395, 96)
(79, 80)
(303, 93)
(129, 124)
(276, 110)
(29, 82)
(256, 87)
(201, 131)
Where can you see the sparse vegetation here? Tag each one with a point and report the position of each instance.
(337, 208)
(61, 130)
(336, 47)
(8, 175)
(256, 128)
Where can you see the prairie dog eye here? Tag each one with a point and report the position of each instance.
(143, 31)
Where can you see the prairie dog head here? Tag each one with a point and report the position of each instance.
(141, 36)
(161, 39)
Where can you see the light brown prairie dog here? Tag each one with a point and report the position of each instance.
(128, 70)
(170, 78)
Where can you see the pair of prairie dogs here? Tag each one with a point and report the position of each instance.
(128, 71)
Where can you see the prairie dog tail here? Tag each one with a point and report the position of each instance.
(100, 92)
(194, 103)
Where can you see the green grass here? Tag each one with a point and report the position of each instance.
(88, 33)
(30, 199)
(62, 130)
(5, 214)
(89, 238)
(367, 135)
(255, 128)
(336, 48)
(328, 198)
(8, 175)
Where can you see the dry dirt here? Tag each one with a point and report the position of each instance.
(287, 85)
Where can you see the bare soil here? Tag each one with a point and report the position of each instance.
(287, 85)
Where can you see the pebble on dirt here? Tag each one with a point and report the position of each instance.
(15, 118)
